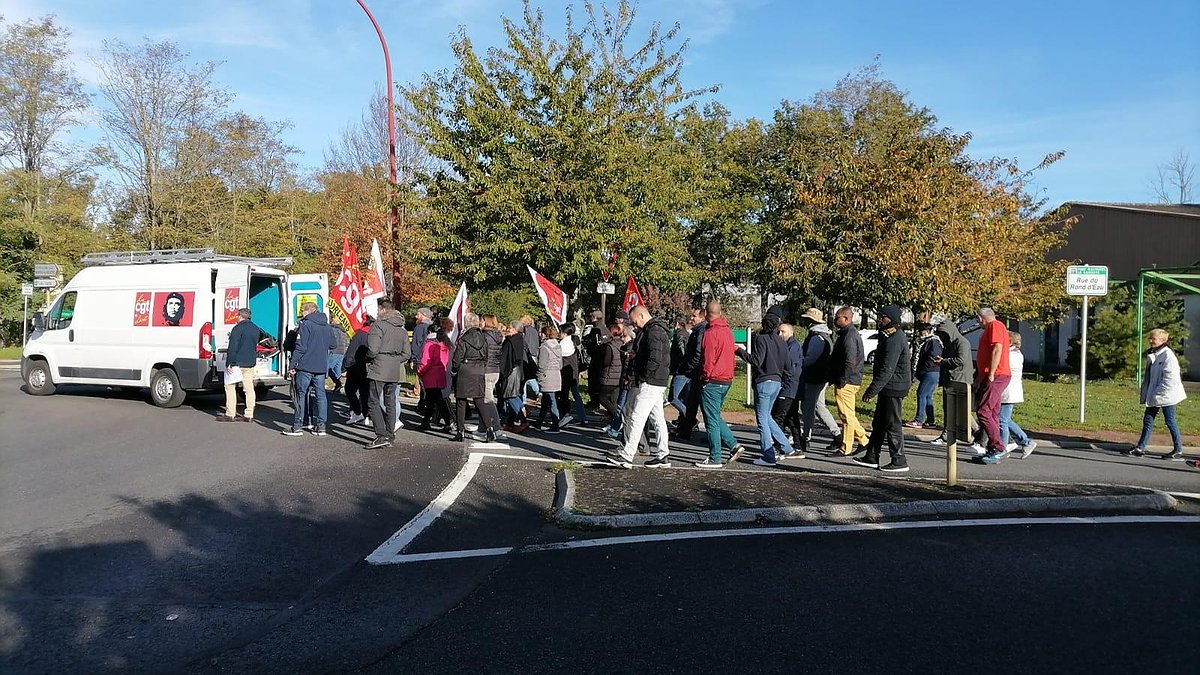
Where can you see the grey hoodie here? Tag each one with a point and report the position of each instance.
(956, 355)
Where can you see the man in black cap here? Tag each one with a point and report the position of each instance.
(892, 373)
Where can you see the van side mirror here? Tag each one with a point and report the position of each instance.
(38, 321)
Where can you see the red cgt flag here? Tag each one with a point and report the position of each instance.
(552, 297)
(347, 292)
(633, 297)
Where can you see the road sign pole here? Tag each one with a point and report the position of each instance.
(25, 321)
(1083, 360)
(604, 306)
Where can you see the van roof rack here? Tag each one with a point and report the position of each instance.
(169, 255)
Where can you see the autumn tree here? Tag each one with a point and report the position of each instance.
(867, 201)
(552, 149)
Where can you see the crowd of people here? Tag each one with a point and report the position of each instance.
(638, 364)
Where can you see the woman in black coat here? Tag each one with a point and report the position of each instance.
(470, 362)
(512, 378)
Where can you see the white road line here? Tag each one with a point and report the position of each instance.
(405, 535)
(1189, 495)
(806, 529)
(447, 555)
(527, 458)
(857, 527)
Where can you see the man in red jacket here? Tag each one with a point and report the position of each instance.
(716, 376)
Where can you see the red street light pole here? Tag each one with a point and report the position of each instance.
(394, 221)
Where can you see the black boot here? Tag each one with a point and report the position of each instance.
(491, 436)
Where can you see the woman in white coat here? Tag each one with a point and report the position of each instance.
(1162, 389)
(1013, 394)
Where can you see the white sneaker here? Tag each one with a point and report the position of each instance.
(1011, 446)
(354, 418)
(469, 428)
(399, 425)
(976, 449)
(1027, 449)
(367, 421)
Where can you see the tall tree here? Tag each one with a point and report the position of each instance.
(868, 201)
(154, 97)
(1173, 179)
(40, 96)
(554, 149)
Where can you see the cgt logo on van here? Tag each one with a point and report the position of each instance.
(141, 309)
(233, 302)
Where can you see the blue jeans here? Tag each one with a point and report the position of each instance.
(580, 411)
(618, 417)
(550, 407)
(679, 384)
(712, 397)
(770, 433)
(925, 389)
(514, 409)
(304, 383)
(532, 386)
(1168, 412)
(1007, 426)
(335, 368)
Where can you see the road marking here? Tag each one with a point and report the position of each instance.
(405, 535)
(806, 529)
(446, 555)
(858, 527)
(1189, 495)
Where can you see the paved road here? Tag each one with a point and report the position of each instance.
(139, 539)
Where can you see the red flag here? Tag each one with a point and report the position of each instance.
(347, 293)
(633, 297)
(552, 297)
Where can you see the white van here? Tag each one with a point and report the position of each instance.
(161, 319)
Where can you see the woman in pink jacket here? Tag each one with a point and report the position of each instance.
(434, 371)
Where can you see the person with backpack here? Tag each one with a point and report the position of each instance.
(927, 374)
(814, 374)
(309, 365)
(570, 379)
(388, 351)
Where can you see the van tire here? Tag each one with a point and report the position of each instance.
(38, 380)
(165, 391)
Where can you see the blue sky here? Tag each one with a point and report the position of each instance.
(1114, 84)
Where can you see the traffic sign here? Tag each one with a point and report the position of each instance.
(606, 289)
(45, 283)
(46, 271)
(27, 290)
(1087, 280)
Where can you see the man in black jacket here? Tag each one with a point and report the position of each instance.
(892, 378)
(768, 357)
(846, 365)
(693, 360)
(242, 355)
(650, 371)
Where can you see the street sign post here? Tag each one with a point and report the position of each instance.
(605, 289)
(956, 416)
(1086, 281)
(26, 294)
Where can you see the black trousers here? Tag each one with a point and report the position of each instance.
(487, 412)
(787, 415)
(383, 409)
(436, 407)
(358, 393)
(606, 396)
(887, 425)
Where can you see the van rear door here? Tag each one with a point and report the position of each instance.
(230, 293)
(268, 303)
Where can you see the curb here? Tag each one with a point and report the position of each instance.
(564, 502)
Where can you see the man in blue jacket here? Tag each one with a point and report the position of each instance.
(767, 356)
(310, 363)
(787, 406)
(242, 354)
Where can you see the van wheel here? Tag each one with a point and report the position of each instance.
(38, 380)
(165, 391)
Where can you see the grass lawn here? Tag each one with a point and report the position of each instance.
(10, 353)
(1112, 406)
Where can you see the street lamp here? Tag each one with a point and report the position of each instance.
(394, 220)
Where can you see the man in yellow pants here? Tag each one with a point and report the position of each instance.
(846, 369)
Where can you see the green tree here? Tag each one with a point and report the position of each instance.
(40, 96)
(1114, 347)
(553, 149)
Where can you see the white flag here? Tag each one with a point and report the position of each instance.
(373, 284)
(458, 310)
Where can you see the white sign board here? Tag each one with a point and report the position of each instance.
(45, 283)
(606, 289)
(1087, 280)
(27, 290)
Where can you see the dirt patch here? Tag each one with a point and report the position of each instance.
(604, 491)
